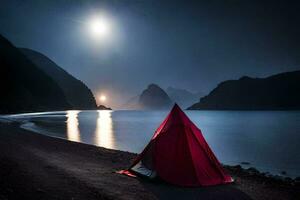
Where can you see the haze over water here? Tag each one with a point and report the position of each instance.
(268, 140)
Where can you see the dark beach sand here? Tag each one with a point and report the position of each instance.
(34, 166)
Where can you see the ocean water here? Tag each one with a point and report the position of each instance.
(266, 140)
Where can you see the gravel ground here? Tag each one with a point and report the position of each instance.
(34, 166)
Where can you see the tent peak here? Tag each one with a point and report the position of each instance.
(176, 107)
(177, 114)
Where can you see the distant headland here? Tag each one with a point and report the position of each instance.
(277, 92)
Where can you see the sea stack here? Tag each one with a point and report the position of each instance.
(154, 98)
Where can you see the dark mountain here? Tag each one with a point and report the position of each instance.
(182, 97)
(25, 87)
(76, 92)
(154, 98)
(278, 92)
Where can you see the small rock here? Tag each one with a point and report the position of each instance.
(237, 167)
(297, 179)
(245, 163)
(288, 179)
(283, 172)
(279, 178)
(40, 190)
(253, 171)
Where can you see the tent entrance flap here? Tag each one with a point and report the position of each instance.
(143, 170)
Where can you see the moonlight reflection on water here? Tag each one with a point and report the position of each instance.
(103, 135)
(73, 132)
(104, 130)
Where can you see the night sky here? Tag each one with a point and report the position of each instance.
(184, 44)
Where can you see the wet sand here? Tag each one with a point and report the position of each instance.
(35, 166)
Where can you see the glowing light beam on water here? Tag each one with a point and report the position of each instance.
(73, 132)
(104, 130)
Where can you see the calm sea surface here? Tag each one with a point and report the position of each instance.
(268, 140)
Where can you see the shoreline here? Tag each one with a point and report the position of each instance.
(279, 175)
(91, 170)
(43, 127)
(251, 170)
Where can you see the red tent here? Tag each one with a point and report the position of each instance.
(179, 154)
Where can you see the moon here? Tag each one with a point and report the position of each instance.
(99, 27)
(102, 98)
